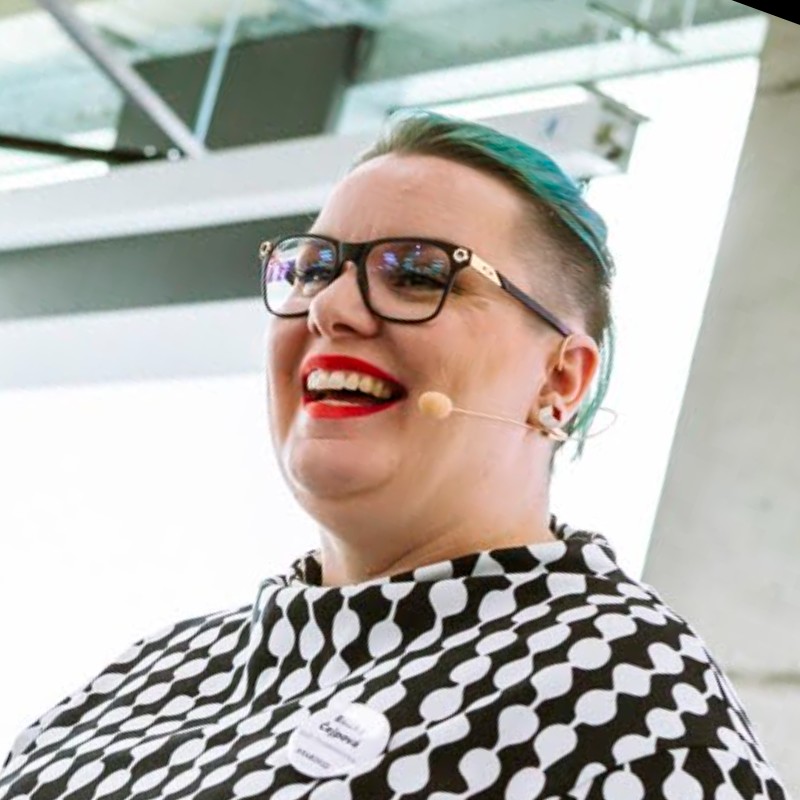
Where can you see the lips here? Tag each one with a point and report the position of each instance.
(346, 364)
(320, 410)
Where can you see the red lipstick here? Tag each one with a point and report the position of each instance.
(332, 362)
(320, 410)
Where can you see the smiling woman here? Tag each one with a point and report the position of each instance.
(449, 637)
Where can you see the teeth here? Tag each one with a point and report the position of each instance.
(336, 380)
(320, 380)
(370, 385)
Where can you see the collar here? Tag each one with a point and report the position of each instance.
(569, 546)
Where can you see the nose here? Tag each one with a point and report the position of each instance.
(339, 309)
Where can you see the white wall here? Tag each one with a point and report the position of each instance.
(726, 546)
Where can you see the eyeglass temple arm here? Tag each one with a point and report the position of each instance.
(495, 277)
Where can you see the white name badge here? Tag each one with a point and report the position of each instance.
(335, 740)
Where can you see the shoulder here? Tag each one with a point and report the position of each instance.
(634, 693)
(633, 675)
(184, 654)
(173, 648)
(679, 774)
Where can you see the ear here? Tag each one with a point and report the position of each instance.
(571, 367)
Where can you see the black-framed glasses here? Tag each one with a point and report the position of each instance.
(401, 279)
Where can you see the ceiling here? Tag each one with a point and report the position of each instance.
(50, 89)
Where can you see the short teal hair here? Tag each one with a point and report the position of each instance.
(576, 229)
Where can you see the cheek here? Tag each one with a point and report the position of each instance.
(286, 341)
(503, 361)
(285, 347)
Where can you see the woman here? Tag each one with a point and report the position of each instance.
(449, 638)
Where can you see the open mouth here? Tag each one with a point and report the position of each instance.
(352, 397)
(336, 386)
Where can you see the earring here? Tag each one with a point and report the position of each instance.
(547, 418)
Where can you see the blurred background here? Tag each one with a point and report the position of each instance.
(146, 148)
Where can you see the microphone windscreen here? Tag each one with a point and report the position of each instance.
(435, 404)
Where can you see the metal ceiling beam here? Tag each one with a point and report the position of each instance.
(629, 21)
(117, 155)
(124, 76)
(216, 72)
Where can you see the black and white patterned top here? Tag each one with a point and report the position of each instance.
(517, 673)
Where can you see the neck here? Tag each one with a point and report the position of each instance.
(388, 549)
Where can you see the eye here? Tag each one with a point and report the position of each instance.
(313, 259)
(414, 265)
(313, 268)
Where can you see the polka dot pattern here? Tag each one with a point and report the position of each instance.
(512, 674)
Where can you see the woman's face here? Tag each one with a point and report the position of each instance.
(481, 350)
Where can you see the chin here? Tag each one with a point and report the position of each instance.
(328, 470)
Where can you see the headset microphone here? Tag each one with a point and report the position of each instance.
(439, 406)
